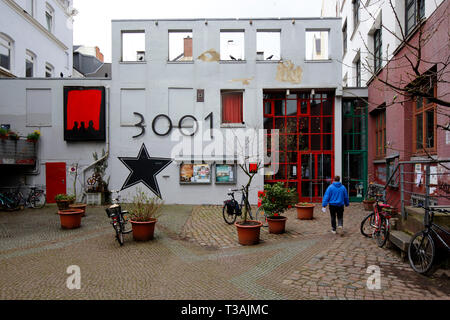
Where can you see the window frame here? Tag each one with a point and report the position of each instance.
(323, 46)
(231, 124)
(268, 31)
(377, 46)
(422, 111)
(8, 44)
(181, 31)
(355, 9)
(49, 12)
(140, 31)
(223, 31)
(418, 8)
(49, 67)
(30, 57)
(344, 38)
(380, 134)
(358, 72)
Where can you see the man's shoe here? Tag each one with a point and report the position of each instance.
(333, 231)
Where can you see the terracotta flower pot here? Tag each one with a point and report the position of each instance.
(62, 204)
(80, 206)
(143, 231)
(277, 224)
(368, 204)
(248, 234)
(305, 212)
(70, 219)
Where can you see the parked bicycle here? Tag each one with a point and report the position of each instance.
(231, 208)
(7, 201)
(36, 198)
(119, 218)
(422, 248)
(376, 224)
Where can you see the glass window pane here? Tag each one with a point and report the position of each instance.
(316, 140)
(303, 107)
(348, 125)
(327, 124)
(315, 107)
(303, 142)
(291, 125)
(280, 108)
(267, 107)
(327, 142)
(291, 157)
(281, 174)
(268, 123)
(430, 129)
(304, 125)
(347, 142)
(291, 107)
(307, 167)
(291, 142)
(327, 106)
(419, 131)
(315, 124)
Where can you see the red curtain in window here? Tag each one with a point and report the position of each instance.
(232, 107)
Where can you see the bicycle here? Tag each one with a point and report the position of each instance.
(422, 250)
(36, 198)
(231, 208)
(7, 202)
(119, 221)
(377, 222)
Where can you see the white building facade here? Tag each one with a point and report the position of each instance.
(150, 96)
(36, 38)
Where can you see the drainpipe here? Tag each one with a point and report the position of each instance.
(107, 141)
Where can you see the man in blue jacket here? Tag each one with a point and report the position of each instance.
(336, 196)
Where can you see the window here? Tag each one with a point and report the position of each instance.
(232, 45)
(344, 37)
(316, 45)
(29, 64)
(180, 46)
(377, 49)
(232, 107)
(30, 7)
(133, 46)
(424, 123)
(49, 17)
(5, 52)
(358, 72)
(268, 45)
(414, 11)
(355, 5)
(48, 70)
(380, 133)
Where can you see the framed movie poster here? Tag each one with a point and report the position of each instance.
(225, 173)
(84, 114)
(193, 173)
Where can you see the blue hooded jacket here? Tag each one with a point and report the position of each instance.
(335, 195)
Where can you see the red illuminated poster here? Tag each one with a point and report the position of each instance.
(84, 113)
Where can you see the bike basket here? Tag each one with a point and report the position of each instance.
(112, 211)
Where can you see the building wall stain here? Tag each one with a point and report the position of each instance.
(209, 56)
(245, 81)
(288, 72)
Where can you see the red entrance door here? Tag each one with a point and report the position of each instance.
(55, 177)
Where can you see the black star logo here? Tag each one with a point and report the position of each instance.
(144, 169)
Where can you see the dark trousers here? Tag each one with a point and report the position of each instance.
(339, 212)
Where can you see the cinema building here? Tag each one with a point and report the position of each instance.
(172, 77)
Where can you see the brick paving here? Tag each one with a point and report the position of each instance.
(195, 255)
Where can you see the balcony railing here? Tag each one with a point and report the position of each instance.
(17, 152)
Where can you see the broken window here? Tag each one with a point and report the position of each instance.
(232, 45)
(268, 45)
(180, 46)
(133, 45)
(316, 45)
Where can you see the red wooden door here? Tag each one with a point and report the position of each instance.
(55, 177)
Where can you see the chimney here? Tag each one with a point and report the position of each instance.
(98, 54)
(188, 47)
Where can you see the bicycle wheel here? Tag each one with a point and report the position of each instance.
(366, 225)
(38, 200)
(119, 234)
(229, 218)
(381, 235)
(261, 216)
(421, 252)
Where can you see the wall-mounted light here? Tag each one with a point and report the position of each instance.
(206, 23)
(156, 23)
(293, 21)
(312, 92)
(251, 22)
(288, 92)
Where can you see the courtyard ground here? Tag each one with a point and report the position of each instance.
(195, 255)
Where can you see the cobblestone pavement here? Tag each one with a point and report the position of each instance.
(195, 255)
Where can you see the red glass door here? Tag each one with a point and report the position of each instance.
(306, 141)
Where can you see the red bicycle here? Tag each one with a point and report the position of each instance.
(376, 225)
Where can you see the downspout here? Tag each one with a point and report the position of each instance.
(107, 141)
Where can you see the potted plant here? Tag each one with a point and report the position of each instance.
(277, 199)
(248, 230)
(70, 218)
(97, 192)
(13, 136)
(143, 213)
(4, 133)
(64, 200)
(34, 137)
(368, 204)
(305, 210)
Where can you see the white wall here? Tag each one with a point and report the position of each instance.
(27, 36)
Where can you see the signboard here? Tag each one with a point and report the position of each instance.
(195, 173)
(225, 173)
